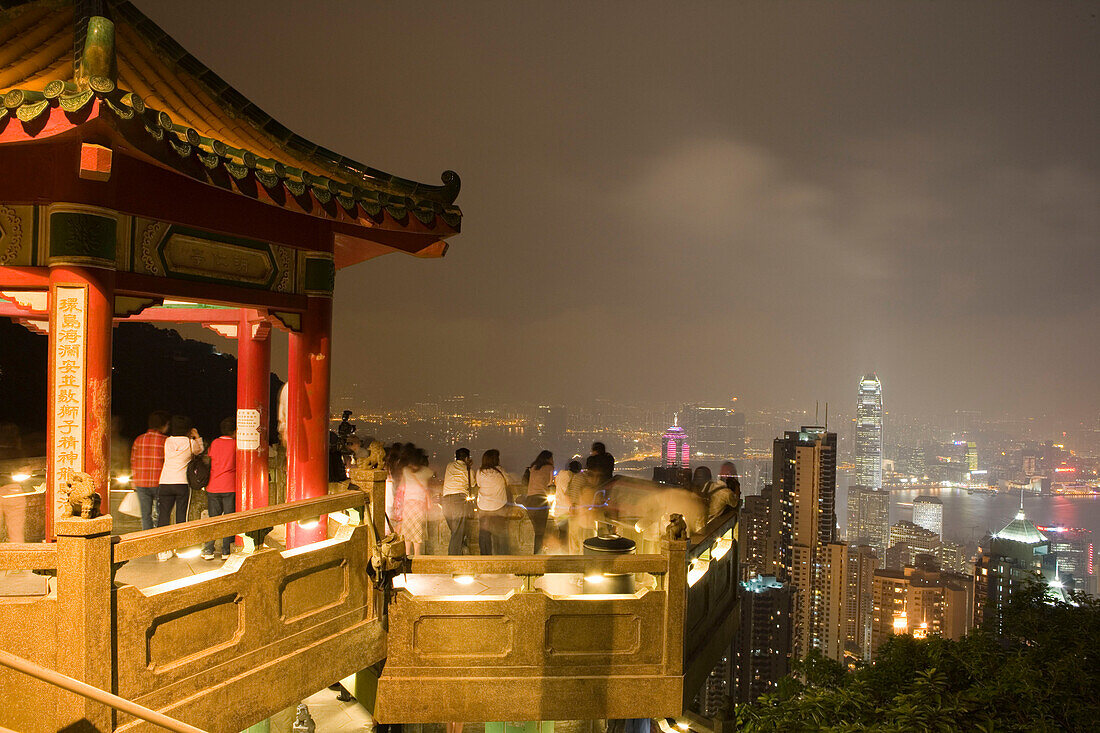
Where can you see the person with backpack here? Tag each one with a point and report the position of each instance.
(183, 444)
(221, 491)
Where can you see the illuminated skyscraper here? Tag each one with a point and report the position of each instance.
(802, 538)
(675, 451)
(762, 650)
(869, 433)
(928, 513)
(869, 518)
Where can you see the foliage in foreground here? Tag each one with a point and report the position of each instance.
(1043, 675)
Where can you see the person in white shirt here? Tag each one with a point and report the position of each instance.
(567, 487)
(183, 443)
(493, 502)
(458, 484)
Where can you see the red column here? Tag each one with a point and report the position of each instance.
(253, 396)
(308, 416)
(93, 288)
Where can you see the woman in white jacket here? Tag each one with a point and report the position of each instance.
(183, 444)
(493, 505)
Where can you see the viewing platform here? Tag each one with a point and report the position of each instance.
(495, 637)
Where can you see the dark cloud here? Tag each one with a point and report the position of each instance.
(688, 201)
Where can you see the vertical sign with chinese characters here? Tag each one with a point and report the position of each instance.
(68, 378)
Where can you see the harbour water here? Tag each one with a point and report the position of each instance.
(968, 517)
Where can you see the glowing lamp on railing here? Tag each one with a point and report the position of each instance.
(721, 546)
(697, 570)
(595, 578)
(20, 477)
(122, 479)
(463, 579)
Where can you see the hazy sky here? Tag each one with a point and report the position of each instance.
(688, 201)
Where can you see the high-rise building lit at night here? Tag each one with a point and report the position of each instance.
(928, 513)
(675, 450)
(1007, 559)
(869, 433)
(869, 518)
(803, 547)
(922, 601)
(762, 650)
(717, 433)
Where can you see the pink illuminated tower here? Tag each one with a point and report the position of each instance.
(675, 452)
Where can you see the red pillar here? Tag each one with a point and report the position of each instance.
(81, 322)
(253, 390)
(308, 415)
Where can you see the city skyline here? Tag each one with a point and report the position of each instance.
(941, 203)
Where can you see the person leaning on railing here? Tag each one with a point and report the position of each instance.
(458, 497)
(494, 501)
(567, 489)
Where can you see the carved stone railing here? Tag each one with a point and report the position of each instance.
(254, 636)
(228, 647)
(530, 652)
(221, 649)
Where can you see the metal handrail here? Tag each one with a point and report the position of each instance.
(65, 682)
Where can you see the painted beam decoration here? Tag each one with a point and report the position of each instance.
(68, 380)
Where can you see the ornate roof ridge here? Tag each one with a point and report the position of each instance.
(351, 183)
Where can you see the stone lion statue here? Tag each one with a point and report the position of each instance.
(376, 458)
(677, 528)
(80, 496)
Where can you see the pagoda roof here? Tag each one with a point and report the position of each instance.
(1021, 530)
(170, 107)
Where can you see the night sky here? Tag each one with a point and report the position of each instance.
(673, 201)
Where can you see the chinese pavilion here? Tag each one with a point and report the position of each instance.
(132, 176)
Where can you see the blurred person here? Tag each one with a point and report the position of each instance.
(493, 503)
(701, 479)
(458, 494)
(221, 492)
(728, 474)
(538, 476)
(13, 509)
(414, 518)
(588, 508)
(146, 462)
(11, 441)
(394, 486)
(120, 453)
(567, 486)
(182, 444)
(600, 464)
